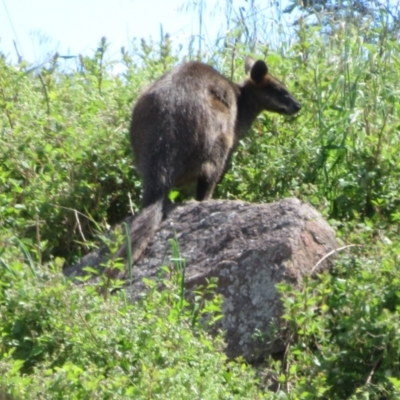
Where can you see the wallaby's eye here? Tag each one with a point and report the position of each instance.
(280, 92)
(285, 95)
(284, 92)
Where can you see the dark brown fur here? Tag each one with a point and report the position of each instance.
(185, 126)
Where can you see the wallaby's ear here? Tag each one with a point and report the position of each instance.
(258, 71)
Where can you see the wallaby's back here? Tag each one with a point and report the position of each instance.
(178, 128)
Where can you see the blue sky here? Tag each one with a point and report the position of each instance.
(71, 27)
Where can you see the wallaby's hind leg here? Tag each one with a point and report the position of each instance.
(211, 174)
(213, 170)
(205, 188)
(208, 179)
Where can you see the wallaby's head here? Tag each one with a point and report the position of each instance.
(270, 93)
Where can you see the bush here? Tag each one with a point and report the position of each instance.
(345, 342)
(60, 341)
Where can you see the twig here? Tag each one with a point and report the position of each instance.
(333, 252)
(373, 369)
(79, 225)
(77, 213)
(38, 238)
(130, 204)
(46, 95)
(19, 57)
(72, 209)
(285, 363)
(380, 136)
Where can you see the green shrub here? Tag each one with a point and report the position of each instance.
(344, 329)
(60, 341)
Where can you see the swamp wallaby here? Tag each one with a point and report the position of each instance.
(184, 128)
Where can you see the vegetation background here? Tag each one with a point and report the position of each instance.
(66, 173)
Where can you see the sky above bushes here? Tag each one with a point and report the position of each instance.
(72, 27)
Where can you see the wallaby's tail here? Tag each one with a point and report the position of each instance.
(142, 230)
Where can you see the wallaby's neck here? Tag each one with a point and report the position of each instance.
(247, 109)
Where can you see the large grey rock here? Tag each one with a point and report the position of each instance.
(249, 248)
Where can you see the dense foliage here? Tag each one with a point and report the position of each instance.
(66, 173)
(64, 342)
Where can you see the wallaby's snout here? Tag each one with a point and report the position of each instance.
(292, 106)
(296, 107)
